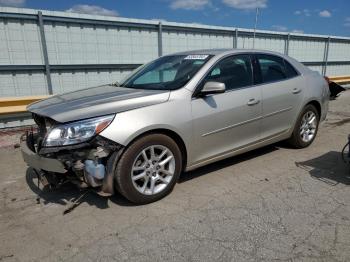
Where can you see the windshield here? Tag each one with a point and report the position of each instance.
(167, 73)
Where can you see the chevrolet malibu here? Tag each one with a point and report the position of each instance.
(174, 114)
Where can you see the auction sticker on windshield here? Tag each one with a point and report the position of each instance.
(196, 57)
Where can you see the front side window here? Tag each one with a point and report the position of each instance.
(167, 73)
(234, 71)
(272, 68)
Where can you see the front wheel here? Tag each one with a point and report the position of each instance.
(148, 169)
(306, 128)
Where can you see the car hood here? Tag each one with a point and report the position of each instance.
(96, 101)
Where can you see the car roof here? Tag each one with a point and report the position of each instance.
(225, 51)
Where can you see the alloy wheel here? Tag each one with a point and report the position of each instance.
(153, 169)
(308, 126)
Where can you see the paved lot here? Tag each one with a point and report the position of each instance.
(275, 203)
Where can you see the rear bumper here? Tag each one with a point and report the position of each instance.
(36, 161)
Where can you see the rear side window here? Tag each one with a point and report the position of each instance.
(290, 71)
(235, 71)
(272, 68)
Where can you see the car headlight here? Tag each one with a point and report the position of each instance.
(76, 132)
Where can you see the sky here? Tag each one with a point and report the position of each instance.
(326, 17)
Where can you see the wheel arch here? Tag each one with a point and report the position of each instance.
(317, 105)
(294, 139)
(173, 135)
(313, 102)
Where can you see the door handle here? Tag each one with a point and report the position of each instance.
(296, 90)
(252, 102)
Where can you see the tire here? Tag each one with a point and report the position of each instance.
(297, 140)
(136, 161)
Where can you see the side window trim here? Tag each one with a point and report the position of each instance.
(199, 85)
(257, 77)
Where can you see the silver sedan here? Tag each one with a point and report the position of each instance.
(174, 114)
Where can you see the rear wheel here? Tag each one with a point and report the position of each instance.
(148, 169)
(306, 128)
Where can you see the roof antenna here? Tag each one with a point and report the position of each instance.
(256, 22)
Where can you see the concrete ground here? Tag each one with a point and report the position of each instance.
(275, 203)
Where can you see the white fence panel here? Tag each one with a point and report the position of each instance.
(87, 50)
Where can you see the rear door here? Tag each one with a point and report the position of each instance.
(282, 92)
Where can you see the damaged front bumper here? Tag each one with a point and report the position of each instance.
(38, 162)
(89, 164)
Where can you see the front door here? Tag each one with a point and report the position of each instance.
(231, 120)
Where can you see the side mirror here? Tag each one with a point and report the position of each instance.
(213, 88)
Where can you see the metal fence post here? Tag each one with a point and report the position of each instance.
(160, 39)
(286, 46)
(235, 41)
(325, 60)
(45, 54)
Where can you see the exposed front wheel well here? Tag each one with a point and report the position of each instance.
(173, 135)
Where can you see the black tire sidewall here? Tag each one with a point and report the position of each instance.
(124, 166)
